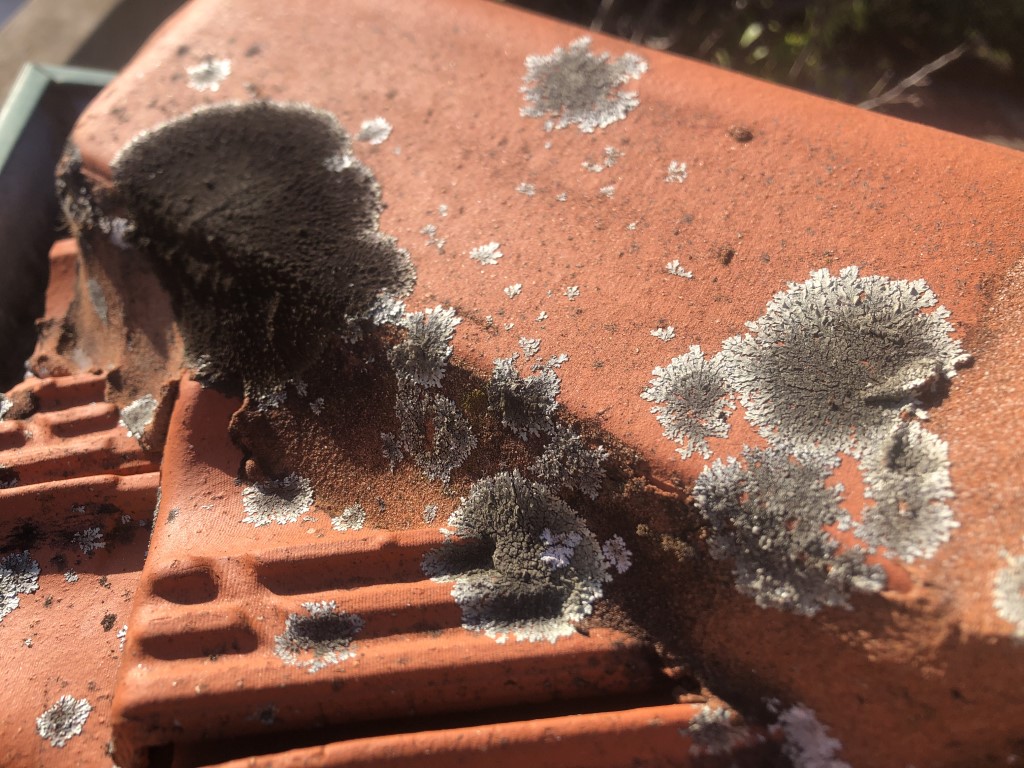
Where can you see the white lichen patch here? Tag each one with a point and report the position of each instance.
(608, 191)
(513, 290)
(122, 636)
(339, 162)
(89, 540)
(559, 547)
(70, 577)
(323, 636)
(568, 461)
(487, 254)
(277, 501)
(907, 474)
(676, 173)
(677, 269)
(525, 188)
(374, 131)
(118, 229)
(208, 74)
(430, 230)
(617, 555)
(576, 87)
(19, 575)
(5, 406)
(808, 744)
(769, 516)
(64, 720)
(352, 518)
(713, 732)
(422, 356)
(572, 292)
(562, 197)
(541, 317)
(138, 415)
(836, 361)
(524, 404)
(1008, 593)
(666, 333)
(693, 402)
(530, 347)
(522, 562)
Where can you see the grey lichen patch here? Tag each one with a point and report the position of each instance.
(89, 540)
(5, 405)
(523, 563)
(19, 575)
(530, 347)
(808, 744)
(64, 720)
(352, 518)
(323, 636)
(138, 415)
(524, 404)
(569, 462)
(769, 516)
(429, 513)
(432, 430)
(617, 555)
(837, 359)
(208, 74)
(487, 254)
(98, 299)
(576, 87)
(277, 501)
(1008, 593)
(907, 474)
(374, 131)
(267, 253)
(692, 401)
(422, 356)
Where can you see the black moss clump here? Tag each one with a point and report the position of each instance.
(263, 227)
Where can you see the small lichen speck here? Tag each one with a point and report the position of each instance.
(577, 87)
(617, 555)
(208, 74)
(374, 131)
(1008, 593)
(138, 415)
(530, 347)
(665, 334)
(430, 230)
(562, 197)
(572, 292)
(322, 637)
(19, 575)
(675, 268)
(277, 501)
(122, 636)
(487, 254)
(514, 290)
(506, 526)
(89, 540)
(351, 519)
(63, 720)
(542, 317)
(770, 517)
(676, 173)
(527, 189)
(429, 513)
(713, 732)
(692, 401)
(5, 406)
(70, 577)
(608, 191)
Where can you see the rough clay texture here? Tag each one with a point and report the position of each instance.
(928, 669)
(265, 245)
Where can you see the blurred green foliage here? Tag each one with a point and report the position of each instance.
(845, 49)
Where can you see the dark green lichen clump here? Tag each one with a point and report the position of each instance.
(523, 563)
(263, 227)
